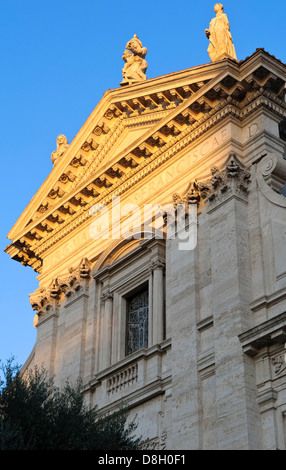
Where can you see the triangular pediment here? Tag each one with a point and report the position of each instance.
(131, 128)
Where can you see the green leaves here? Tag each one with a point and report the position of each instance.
(36, 415)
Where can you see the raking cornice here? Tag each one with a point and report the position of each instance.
(187, 113)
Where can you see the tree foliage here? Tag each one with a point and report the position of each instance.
(36, 415)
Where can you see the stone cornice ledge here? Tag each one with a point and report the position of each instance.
(270, 332)
(141, 395)
(267, 301)
(189, 135)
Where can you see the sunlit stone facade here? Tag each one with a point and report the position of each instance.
(192, 337)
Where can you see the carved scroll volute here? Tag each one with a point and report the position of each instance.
(39, 300)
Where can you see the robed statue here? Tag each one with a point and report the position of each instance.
(62, 145)
(221, 45)
(135, 67)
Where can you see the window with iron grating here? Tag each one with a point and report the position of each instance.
(137, 321)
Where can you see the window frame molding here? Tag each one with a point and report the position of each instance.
(122, 278)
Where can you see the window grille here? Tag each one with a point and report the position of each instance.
(137, 322)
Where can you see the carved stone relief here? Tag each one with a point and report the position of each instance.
(45, 298)
(279, 364)
(233, 179)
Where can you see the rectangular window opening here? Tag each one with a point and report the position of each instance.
(137, 313)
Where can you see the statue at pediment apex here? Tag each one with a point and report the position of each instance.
(62, 145)
(135, 67)
(219, 35)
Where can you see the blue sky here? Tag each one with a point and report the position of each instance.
(57, 58)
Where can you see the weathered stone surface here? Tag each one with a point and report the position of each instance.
(212, 375)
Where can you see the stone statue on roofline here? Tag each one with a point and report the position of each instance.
(135, 67)
(62, 145)
(221, 45)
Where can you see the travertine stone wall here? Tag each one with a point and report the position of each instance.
(182, 310)
(213, 374)
(231, 295)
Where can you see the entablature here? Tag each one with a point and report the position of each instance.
(272, 331)
(171, 111)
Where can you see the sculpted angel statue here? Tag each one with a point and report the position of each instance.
(135, 67)
(62, 145)
(219, 35)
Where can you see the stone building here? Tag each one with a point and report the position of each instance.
(187, 327)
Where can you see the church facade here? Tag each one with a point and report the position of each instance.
(159, 239)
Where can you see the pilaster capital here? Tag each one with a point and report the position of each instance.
(46, 298)
(106, 295)
(157, 264)
(232, 180)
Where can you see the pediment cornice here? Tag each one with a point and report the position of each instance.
(167, 113)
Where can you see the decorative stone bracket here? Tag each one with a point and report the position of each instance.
(233, 179)
(48, 298)
(270, 332)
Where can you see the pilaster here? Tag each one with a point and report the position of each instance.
(237, 413)
(157, 268)
(182, 307)
(107, 299)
